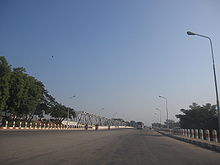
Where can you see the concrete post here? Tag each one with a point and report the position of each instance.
(20, 124)
(188, 132)
(6, 124)
(44, 125)
(41, 124)
(35, 126)
(192, 133)
(14, 124)
(26, 125)
(207, 135)
(196, 134)
(201, 134)
(214, 135)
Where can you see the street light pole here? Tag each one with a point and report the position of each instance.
(68, 114)
(160, 115)
(214, 72)
(166, 110)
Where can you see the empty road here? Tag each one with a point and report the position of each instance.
(116, 147)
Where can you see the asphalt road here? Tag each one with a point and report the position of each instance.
(116, 147)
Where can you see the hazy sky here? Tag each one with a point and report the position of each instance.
(119, 55)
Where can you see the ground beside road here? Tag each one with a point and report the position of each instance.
(116, 147)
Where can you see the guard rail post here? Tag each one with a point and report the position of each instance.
(214, 135)
(20, 125)
(188, 132)
(207, 135)
(192, 133)
(201, 134)
(6, 124)
(13, 124)
(196, 134)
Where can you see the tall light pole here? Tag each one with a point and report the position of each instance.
(166, 109)
(215, 79)
(160, 115)
(68, 114)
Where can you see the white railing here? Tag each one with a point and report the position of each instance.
(197, 134)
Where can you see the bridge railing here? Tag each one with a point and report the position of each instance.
(201, 134)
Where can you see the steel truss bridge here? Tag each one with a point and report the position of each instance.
(85, 118)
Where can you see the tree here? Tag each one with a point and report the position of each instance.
(17, 91)
(23, 96)
(45, 105)
(5, 71)
(60, 112)
(200, 117)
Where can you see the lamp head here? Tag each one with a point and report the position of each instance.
(191, 33)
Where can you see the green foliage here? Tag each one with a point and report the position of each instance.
(5, 71)
(23, 96)
(200, 117)
(60, 112)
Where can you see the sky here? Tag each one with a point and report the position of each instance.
(116, 56)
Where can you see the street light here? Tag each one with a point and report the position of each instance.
(215, 79)
(166, 109)
(68, 114)
(160, 115)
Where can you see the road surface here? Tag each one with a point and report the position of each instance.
(116, 147)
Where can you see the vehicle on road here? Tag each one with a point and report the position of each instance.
(140, 125)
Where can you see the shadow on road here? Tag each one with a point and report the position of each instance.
(153, 135)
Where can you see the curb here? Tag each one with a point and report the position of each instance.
(204, 144)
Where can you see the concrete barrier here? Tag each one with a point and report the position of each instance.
(43, 126)
(6, 124)
(207, 135)
(188, 133)
(196, 134)
(20, 125)
(214, 136)
(13, 125)
(192, 133)
(201, 134)
(201, 143)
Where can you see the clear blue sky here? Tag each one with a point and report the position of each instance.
(119, 55)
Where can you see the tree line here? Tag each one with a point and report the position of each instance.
(22, 96)
(200, 117)
(195, 117)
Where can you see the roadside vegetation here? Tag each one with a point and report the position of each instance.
(196, 117)
(200, 117)
(23, 96)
